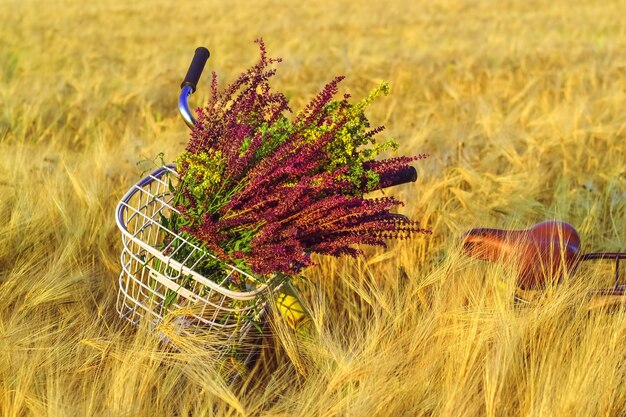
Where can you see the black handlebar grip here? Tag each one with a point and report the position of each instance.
(402, 176)
(407, 175)
(195, 68)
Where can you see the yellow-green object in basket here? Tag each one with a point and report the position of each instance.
(290, 307)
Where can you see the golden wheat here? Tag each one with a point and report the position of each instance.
(521, 105)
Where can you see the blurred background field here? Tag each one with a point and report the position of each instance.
(521, 104)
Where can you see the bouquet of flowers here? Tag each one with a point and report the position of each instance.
(263, 191)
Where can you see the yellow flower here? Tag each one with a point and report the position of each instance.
(203, 171)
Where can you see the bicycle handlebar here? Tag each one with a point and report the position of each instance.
(196, 67)
(190, 82)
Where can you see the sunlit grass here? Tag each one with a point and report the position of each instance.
(522, 107)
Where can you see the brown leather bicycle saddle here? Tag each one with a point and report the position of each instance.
(541, 253)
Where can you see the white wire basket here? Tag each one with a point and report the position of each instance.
(160, 271)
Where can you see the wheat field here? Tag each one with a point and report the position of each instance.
(521, 105)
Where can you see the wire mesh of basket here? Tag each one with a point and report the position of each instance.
(160, 270)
